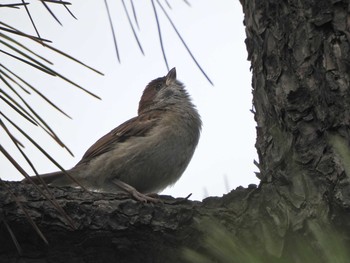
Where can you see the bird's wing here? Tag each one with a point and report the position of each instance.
(136, 127)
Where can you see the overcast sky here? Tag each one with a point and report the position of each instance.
(214, 32)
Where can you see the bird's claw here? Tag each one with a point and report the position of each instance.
(145, 198)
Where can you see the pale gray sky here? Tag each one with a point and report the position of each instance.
(212, 29)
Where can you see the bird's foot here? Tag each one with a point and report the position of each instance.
(145, 197)
(136, 194)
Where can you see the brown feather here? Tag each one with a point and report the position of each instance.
(138, 126)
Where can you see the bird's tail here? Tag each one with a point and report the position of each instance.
(55, 178)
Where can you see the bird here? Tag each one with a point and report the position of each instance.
(145, 154)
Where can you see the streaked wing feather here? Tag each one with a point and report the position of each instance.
(136, 127)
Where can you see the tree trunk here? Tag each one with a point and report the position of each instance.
(108, 227)
(300, 59)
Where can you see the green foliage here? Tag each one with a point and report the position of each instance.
(323, 244)
(17, 48)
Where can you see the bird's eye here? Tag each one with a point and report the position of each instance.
(158, 87)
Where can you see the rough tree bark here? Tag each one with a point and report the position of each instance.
(299, 50)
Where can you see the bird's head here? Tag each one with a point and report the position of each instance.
(162, 93)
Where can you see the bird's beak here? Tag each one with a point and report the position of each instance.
(170, 77)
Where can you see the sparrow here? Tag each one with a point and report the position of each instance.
(145, 154)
